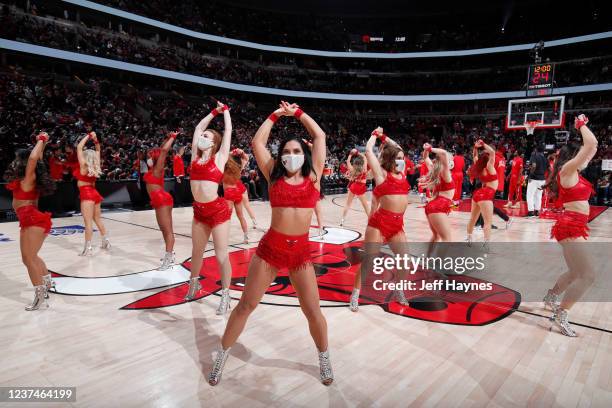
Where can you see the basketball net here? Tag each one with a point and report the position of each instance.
(530, 127)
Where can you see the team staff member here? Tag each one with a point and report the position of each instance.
(537, 168)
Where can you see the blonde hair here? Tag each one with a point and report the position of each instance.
(92, 160)
(432, 179)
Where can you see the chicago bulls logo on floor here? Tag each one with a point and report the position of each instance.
(336, 258)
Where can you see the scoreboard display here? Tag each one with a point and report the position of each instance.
(540, 76)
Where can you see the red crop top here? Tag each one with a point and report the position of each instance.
(392, 186)
(19, 194)
(582, 191)
(88, 179)
(445, 186)
(283, 194)
(207, 171)
(149, 178)
(487, 178)
(361, 178)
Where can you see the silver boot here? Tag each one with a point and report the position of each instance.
(194, 287)
(39, 301)
(325, 369)
(48, 283)
(354, 306)
(87, 249)
(105, 244)
(224, 303)
(246, 238)
(468, 240)
(400, 297)
(562, 323)
(551, 300)
(217, 371)
(167, 261)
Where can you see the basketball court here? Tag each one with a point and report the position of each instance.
(115, 318)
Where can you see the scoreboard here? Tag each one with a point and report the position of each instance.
(540, 78)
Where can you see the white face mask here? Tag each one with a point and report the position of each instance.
(150, 162)
(204, 143)
(400, 165)
(292, 162)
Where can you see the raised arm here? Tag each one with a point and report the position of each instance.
(373, 162)
(491, 162)
(587, 150)
(443, 156)
(426, 149)
(80, 146)
(200, 128)
(160, 164)
(223, 153)
(35, 155)
(264, 159)
(349, 165)
(319, 148)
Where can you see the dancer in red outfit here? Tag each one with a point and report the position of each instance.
(28, 179)
(386, 224)
(424, 192)
(440, 181)
(482, 199)
(515, 188)
(573, 191)
(86, 174)
(357, 166)
(294, 179)
(457, 173)
(161, 200)
(234, 191)
(211, 213)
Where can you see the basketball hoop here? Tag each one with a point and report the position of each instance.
(530, 127)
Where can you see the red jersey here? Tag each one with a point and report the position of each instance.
(517, 166)
(410, 169)
(423, 170)
(500, 168)
(56, 168)
(459, 164)
(178, 166)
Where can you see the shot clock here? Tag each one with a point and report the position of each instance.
(540, 79)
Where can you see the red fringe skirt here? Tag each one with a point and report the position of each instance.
(570, 224)
(212, 213)
(30, 216)
(89, 193)
(284, 251)
(438, 205)
(389, 223)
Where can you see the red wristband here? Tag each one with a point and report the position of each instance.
(225, 107)
(173, 135)
(273, 117)
(214, 112)
(42, 136)
(298, 113)
(383, 139)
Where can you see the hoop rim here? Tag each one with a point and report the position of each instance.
(531, 125)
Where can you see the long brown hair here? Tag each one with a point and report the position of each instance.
(231, 173)
(566, 153)
(358, 166)
(479, 165)
(388, 155)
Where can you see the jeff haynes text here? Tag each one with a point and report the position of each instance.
(438, 284)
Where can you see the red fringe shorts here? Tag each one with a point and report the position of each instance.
(358, 189)
(389, 223)
(89, 193)
(570, 224)
(234, 194)
(438, 205)
(30, 216)
(284, 251)
(212, 213)
(161, 198)
(484, 194)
